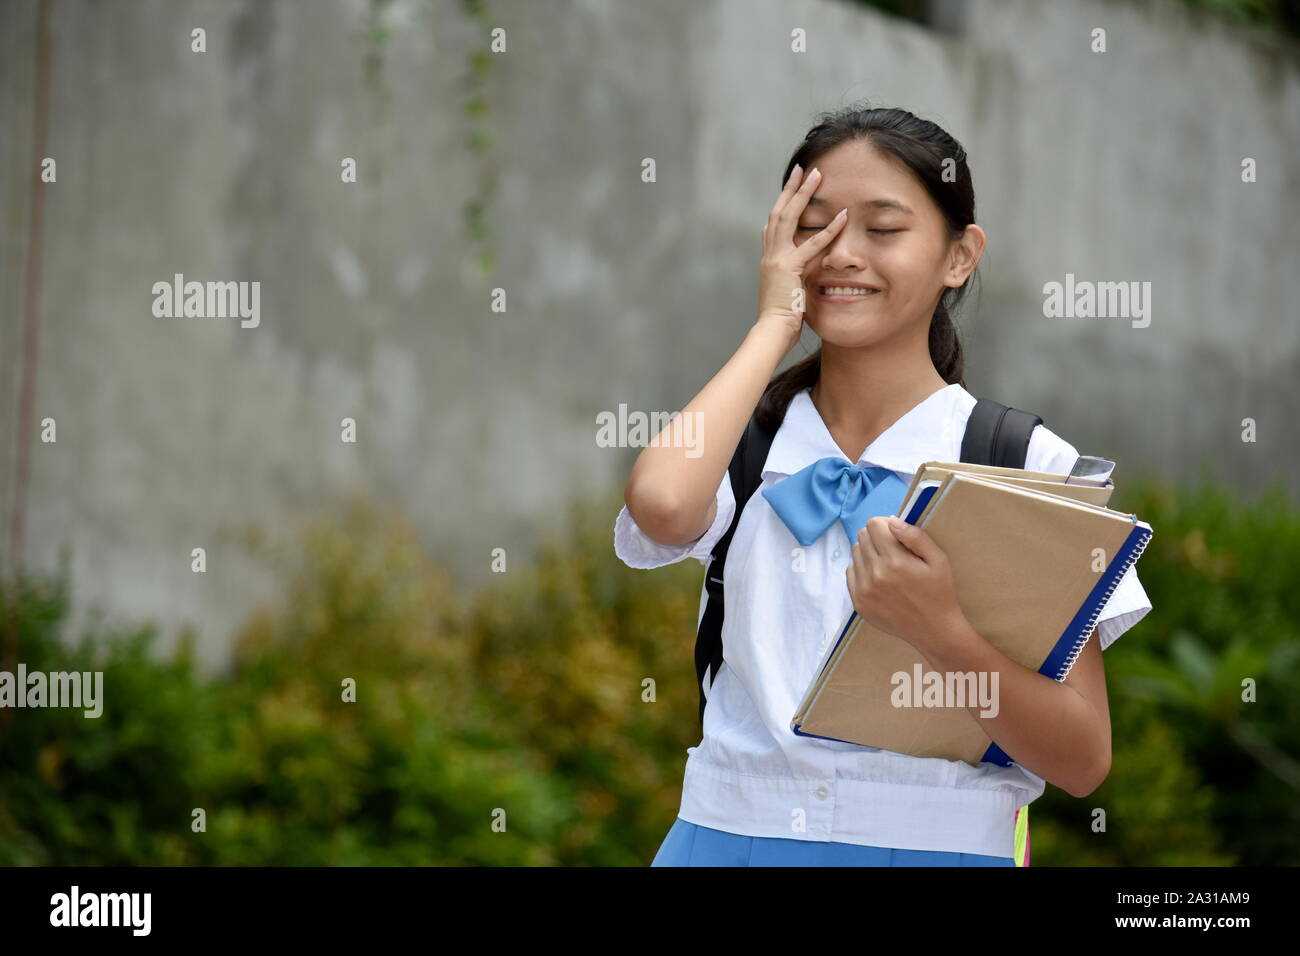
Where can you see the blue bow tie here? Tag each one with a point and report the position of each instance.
(811, 499)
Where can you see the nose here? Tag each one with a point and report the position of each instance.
(846, 249)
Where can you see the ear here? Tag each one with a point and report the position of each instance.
(965, 256)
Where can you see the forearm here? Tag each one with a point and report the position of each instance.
(1042, 724)
(671, 490)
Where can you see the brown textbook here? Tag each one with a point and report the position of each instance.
(1032, 569)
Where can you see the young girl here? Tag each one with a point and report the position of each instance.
(871, 248)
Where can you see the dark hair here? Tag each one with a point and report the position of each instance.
(924, 147)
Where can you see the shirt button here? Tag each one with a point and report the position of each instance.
(820, 793)
(836, 553)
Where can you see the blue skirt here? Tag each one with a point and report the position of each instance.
(688, 844)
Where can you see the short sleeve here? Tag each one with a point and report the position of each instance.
(1049, 452)
(637, 549)
(1128, 603)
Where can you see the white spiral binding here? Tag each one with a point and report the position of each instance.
(1064, 671)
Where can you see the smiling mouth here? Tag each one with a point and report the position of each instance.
(834, 293)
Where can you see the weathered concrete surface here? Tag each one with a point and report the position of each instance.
(175, 433)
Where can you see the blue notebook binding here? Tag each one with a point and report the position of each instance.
(1070, 644)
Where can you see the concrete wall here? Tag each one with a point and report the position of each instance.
(225, 165)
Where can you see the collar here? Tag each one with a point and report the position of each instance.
(930, 431)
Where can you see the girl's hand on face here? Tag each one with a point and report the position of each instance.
(901, 582)
(781, 272)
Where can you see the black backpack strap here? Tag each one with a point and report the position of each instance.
(997, 434)
(746, 471)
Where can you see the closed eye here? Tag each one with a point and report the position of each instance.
(820, 228)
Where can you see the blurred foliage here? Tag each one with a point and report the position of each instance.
(1280, 16)
(918, 10)
(1198, 775)
(527, 699)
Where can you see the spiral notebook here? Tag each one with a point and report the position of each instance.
(1029, 579)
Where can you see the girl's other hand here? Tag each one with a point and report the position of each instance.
(900, 581)
(781, 273)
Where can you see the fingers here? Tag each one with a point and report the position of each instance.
(886, 545)
(916, 541)
(791, 208)
(821, 240)
(797, 178)
(791, 184)
(870, 553)
(859, 571)
(866, 547)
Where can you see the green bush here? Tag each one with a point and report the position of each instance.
(531, 700)
(105, 790)
(1276, 16)
(1221, 574)
(527, 704)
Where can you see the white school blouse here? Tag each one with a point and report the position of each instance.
(751, 774)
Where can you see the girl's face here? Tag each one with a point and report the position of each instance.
(895, 240)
